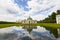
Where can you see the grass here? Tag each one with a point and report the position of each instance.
(8, 25)
(49, 25)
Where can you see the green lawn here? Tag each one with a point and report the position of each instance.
(51, 25)
(48, 25)
(8, 25)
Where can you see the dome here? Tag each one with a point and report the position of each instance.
(29, 18)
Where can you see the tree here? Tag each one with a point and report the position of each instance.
(51, 18)
(58, 12)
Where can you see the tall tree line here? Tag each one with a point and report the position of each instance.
(51, 18)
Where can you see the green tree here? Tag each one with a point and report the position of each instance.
(58, 12)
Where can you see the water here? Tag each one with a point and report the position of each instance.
(26, 33)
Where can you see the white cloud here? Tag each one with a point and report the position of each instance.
(35, 5)
(4, 14)
(38, 17)
(38, 5)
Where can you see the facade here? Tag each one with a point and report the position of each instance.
(58, 22)
(58, 19)
(29, 21)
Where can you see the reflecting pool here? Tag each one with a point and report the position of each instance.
(26, 33)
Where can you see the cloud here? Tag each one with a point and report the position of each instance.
(22, 4)
(38, 17)
(42, 8)
(10, 10)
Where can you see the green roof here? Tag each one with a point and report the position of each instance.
(29, 18)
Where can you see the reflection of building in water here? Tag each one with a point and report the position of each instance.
(28, 21)
(58, 19)
(29, 27)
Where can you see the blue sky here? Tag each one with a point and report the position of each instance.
(21, 9)
(23, 4)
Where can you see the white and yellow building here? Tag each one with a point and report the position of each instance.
(58, 19)
(29, 21)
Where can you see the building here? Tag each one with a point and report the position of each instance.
(58, 22)
(29, 21)
(58, 19)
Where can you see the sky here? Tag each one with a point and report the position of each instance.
(12, 10)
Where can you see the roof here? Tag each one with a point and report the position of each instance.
(29, 18)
